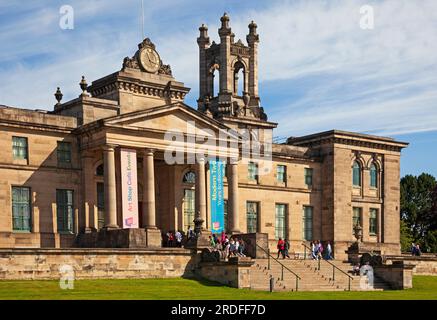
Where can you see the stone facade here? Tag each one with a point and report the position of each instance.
(135, 107)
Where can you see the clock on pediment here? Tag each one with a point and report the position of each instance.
(149, 59)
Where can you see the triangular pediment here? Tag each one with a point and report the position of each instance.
(176, 117)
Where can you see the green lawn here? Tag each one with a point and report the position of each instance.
(425, 287)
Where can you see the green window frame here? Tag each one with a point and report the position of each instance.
(309, 177)
(189, 208)
(19, 148)
(307, 223)
(356, 217)
(280, 221)
(65, 210)
(373, 221)
(252, 216)
(281, 173)
(356, 174)
(21, 209)
(252, 171)
(373, 176)
(64, 152)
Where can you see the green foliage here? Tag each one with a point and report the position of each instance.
(419, 212)
(406, 237)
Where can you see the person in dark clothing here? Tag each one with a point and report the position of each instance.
(286, 248)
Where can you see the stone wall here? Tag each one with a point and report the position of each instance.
(234, 273)
(423, 265)
(44, 264)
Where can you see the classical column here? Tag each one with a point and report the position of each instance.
(110, 188)
(86, 220)
(149, 215)
(233, 197)
(201, 191)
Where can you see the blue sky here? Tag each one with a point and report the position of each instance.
(318, 69)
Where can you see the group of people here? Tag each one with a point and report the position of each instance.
(176, 238)
(232, 247)
(317, 250)
(415, 250)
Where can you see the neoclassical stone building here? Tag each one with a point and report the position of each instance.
(62, 176)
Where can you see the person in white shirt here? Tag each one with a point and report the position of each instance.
(178, 237)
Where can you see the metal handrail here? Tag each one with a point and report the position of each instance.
(333, 266)
(282, 266)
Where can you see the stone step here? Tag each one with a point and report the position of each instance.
(312, 279)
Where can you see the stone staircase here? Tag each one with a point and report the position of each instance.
(312, 279)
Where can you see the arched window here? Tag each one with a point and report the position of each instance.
(239, 75)
(99, 170)
(373, 176)
(216, 82)
(189, 177)
(356, 174)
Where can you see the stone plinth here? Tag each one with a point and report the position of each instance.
(234, 273)
(121, 238)
(399, 274)
(256, 244)
(153, 238)
(201, 241)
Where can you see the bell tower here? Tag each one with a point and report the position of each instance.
(236, 65)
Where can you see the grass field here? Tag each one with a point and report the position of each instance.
(425, 287)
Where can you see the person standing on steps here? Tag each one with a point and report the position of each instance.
(328, 251)
(178, 236)
(319, 250)
(280, 247)
(286, 249)
(313, 250)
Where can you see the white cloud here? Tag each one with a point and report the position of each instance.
(332, 73)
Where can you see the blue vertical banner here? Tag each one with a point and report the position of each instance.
(217, 173)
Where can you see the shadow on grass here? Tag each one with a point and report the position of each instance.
(205, 282)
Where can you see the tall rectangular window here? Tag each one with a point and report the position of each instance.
(64, 152)
(252, 216)
(100, 205)
(280, 221)
(373, 221)
(281, 173)
(225, 212)
(21, 214)
(65, 209)
(356, 217)
(189, 207)
(19, 148)
(307, 223)
(356, 174)
(252, 171)
(308, 177)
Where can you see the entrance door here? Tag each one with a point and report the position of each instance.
(100, 205)
(140, 214)
(189, 208)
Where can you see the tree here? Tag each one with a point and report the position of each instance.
(419, 210)
(406, 237)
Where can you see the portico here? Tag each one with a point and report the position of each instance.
(160, 184)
